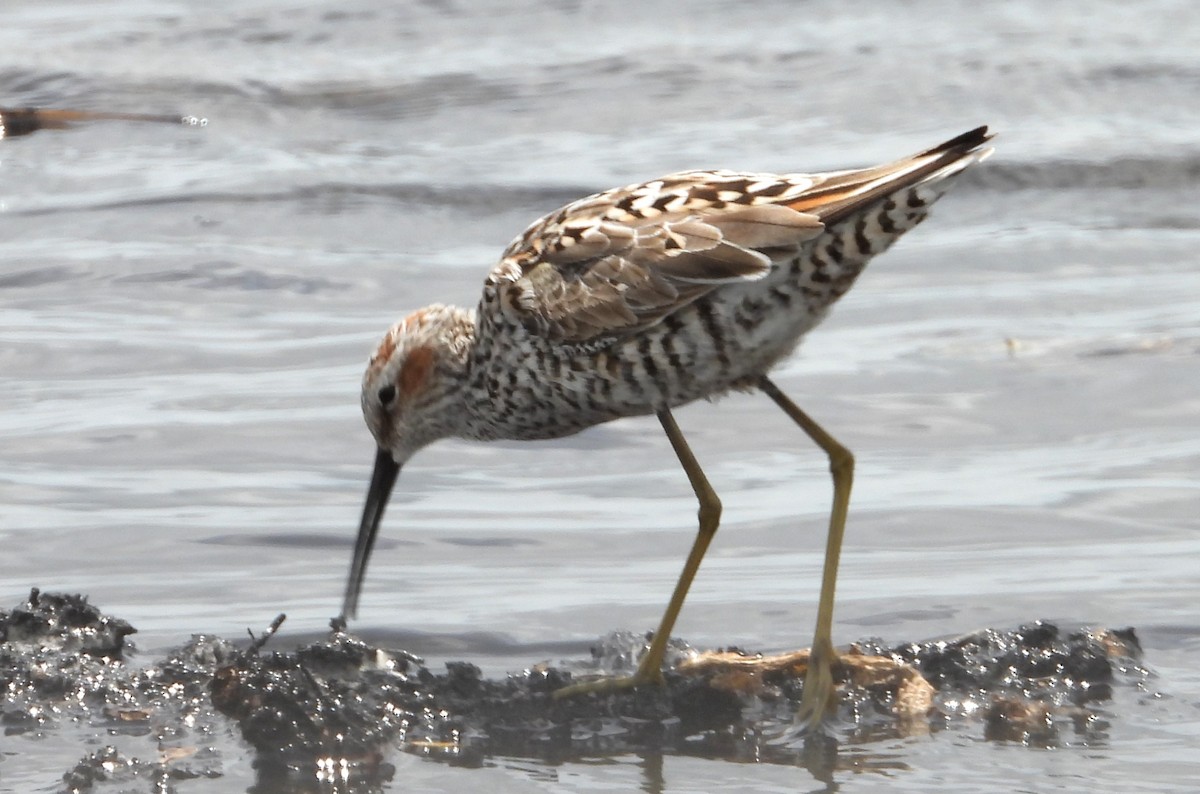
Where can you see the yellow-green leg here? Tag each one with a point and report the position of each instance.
(650, 668)
(817, 699)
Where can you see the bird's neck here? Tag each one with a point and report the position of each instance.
(467, 404)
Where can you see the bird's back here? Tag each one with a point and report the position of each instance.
(657, 294)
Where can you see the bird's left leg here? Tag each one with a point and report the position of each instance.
(650, 667)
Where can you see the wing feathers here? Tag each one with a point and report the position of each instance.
(618, 261)
(845, 193)
(768, 226)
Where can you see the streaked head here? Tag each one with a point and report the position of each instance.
(411, 397)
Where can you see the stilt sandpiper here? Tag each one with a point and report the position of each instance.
(638, 300)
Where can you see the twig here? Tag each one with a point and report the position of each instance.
(258, 642)
(24, 121)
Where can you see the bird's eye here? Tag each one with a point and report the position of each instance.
(387, 393)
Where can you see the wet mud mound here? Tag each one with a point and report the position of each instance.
(334, 712)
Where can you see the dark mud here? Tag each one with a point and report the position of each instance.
(335, 712)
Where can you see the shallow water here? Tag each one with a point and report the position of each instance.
(186, 313)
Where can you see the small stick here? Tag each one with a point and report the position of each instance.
(23, 121)
(258, 642)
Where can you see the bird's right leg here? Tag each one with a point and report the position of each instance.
(817, 699)
(650, 667)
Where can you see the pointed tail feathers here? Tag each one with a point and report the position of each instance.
(847, 192)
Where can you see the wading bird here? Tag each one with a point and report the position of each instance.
(635, 301)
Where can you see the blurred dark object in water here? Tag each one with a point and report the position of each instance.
(24, 121)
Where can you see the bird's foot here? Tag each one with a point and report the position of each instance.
(818, 699)
(645, 674)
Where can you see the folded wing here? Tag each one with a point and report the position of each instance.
(615, 262)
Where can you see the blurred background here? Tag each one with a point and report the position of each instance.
(185, 313)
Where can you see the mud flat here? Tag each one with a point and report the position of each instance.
(339, 711)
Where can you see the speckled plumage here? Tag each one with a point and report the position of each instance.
(649, 296)
(640, 299)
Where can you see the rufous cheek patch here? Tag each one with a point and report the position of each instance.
(414, 375)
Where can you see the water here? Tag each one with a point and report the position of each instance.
(187, 311)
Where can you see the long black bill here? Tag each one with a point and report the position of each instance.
(386, 471)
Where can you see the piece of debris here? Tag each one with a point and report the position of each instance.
(25, 121)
